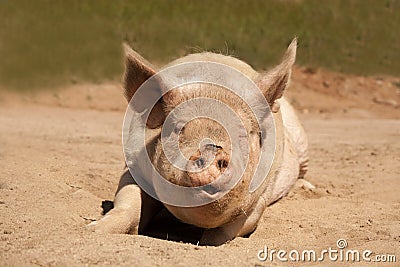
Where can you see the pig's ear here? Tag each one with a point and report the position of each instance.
(137, 71)
(274, 82)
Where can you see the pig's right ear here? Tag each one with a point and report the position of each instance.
(137, 71)
(274, 83)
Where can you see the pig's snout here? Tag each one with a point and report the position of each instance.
(207, 164)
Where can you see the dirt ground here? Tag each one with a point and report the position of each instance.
(61, 155)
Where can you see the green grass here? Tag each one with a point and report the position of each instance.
(51, 43)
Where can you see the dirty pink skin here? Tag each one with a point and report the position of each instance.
(238, 212)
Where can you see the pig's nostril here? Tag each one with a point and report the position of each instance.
(200, 163)
(222, 164)
(213, 146)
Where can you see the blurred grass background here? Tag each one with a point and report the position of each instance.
(47, 43)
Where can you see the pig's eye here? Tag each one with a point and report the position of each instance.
(260, 138)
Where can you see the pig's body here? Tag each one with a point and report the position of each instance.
(134, 209)
(295, 154)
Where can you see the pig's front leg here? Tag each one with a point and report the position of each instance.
(124, 217)
(243, 225)
(128, 210)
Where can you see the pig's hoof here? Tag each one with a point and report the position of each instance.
(116, 223)
(91, 226)
(302, 183)
(104, 225)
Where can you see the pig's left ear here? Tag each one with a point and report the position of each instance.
(274, 82)
(137, 71)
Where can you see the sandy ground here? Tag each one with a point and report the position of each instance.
(61, 155)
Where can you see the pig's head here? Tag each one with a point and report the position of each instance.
(204, 142)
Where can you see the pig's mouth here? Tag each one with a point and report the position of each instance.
(218, 187)
(217, 203)
(211, 189)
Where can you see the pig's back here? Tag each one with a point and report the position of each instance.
(295, 132)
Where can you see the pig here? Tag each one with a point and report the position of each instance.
(238, 212)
